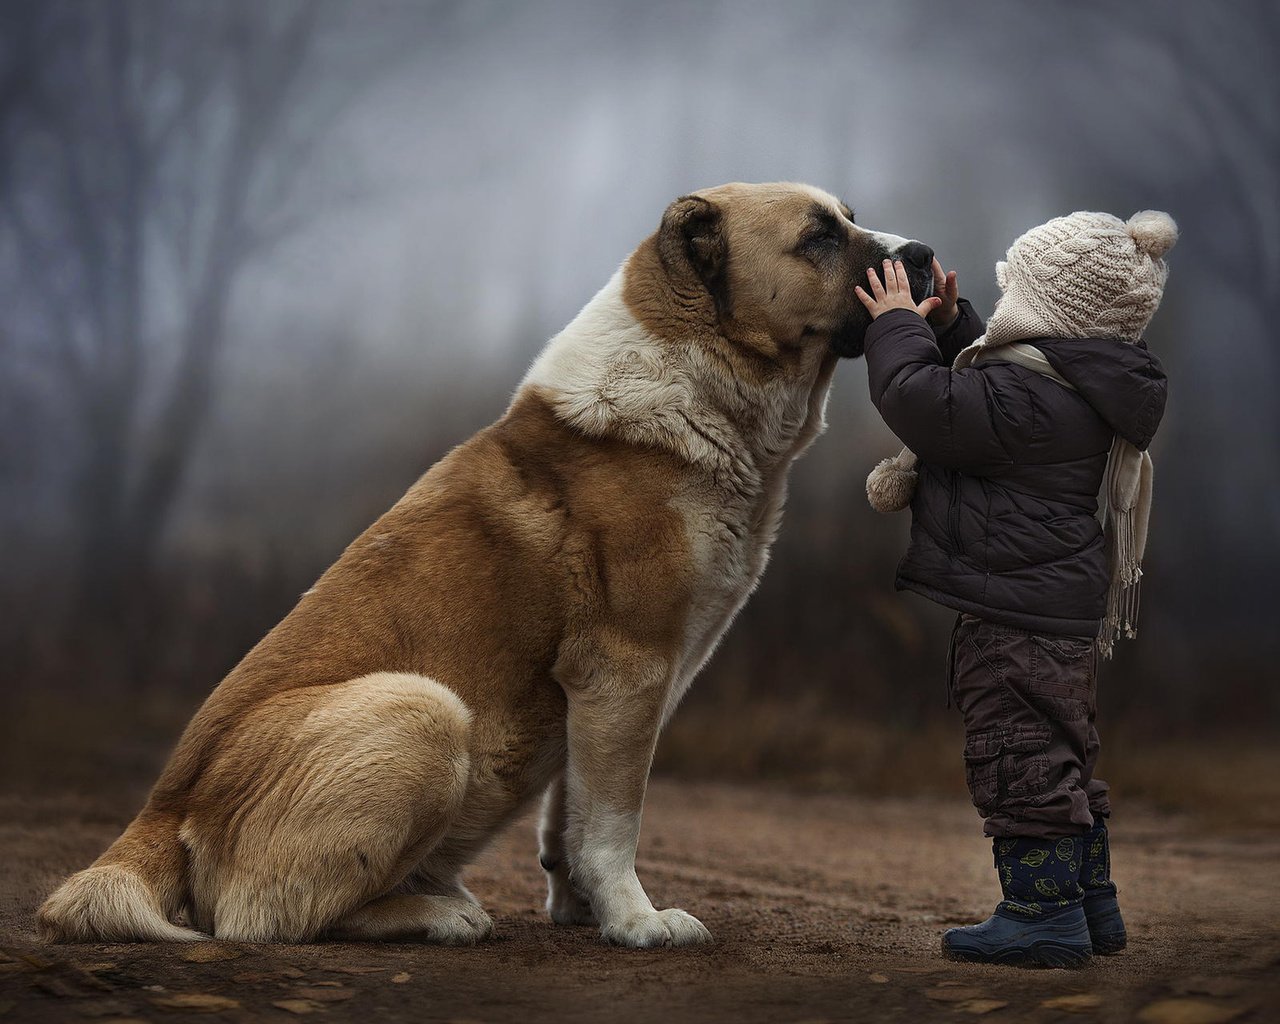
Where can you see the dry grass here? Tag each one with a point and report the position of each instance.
(801, 744)
(1221, 780)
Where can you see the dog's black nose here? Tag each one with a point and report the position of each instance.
(916, 254)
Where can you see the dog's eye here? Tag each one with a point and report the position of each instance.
(823, 239)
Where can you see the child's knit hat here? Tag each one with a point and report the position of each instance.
(1085, 275)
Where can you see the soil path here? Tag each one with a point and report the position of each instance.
(824, 908)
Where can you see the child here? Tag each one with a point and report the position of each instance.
(1015, 434)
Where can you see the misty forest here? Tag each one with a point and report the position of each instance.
(263, 264)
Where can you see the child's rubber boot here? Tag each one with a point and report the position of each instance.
(1040, 922)
(1101, 908)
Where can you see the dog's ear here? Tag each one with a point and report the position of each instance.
(691, 244)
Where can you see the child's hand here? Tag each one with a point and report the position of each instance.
(945, 288)
(895, 293)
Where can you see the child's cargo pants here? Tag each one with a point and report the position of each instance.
(1028, 702)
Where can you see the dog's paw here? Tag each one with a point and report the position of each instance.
(462, 924)
(655, 928)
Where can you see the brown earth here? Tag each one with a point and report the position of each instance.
(823, 907)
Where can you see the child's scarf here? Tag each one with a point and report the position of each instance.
(1124, 505)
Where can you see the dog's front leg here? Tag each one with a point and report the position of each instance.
(613, 723)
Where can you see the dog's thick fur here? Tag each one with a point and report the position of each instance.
(521, 622)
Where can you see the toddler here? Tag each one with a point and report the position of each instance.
(1010, 436)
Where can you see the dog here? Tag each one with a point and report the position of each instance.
(521, 623)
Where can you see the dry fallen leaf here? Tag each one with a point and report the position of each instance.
(878, 979)
(208, 952)
(1187, 1011)
(951, 994)
(196, 1002)
(978, 1007)
(401, 978)
(299, 1006)
(324, 995)
(1081, 1002)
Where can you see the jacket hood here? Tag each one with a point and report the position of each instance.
(1123, 382)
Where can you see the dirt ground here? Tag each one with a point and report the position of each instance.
(824, 908)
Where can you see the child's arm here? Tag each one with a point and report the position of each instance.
(955, 323)
(945, 417)
(963, 331)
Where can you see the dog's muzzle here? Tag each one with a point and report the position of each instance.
(917, 258)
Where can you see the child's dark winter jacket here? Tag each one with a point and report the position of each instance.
(1004, 515)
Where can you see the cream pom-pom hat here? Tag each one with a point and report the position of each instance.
(1085, 275)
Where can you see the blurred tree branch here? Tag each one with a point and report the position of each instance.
(148, 153)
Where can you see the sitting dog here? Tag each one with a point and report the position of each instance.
(522, 622)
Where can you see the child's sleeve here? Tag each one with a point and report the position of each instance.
(948, 418)
(962, 332)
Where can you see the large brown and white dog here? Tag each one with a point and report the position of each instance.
(522, 622)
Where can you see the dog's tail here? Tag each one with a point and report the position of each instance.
(130, 894)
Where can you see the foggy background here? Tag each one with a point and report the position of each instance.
(261, 265)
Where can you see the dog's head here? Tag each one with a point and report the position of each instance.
(775, 266)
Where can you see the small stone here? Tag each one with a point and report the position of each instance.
(878, 979)
(401, 978)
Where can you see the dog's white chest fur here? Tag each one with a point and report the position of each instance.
(607, 375)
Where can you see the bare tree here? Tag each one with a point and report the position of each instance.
(149, 151)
